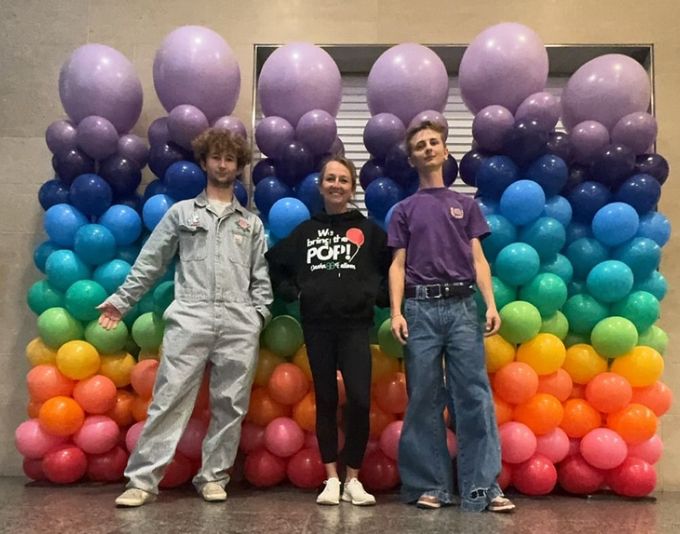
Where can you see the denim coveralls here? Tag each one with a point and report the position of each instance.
(222, 291)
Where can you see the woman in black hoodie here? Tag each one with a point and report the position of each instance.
(336, 263)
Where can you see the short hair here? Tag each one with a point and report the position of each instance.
(223, 142)
(425, 125)
(347, 163)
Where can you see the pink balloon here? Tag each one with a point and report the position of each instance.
(603, 448)
(574, 447)
(389, 439)
(451, 443)
(542, 107)
(554, 445)
(637, 131)
(650, 451)
(518, 442)
(185, 123)
(132, 435)
(575, 475)
(588, 139)
(283, 437)
(231, 123)
(536, 476)
(252, 437)
(633, 478)
(191, 442)
(490, 126)
(98, 434)
(33, 442)
(305, 469)
(64, 465)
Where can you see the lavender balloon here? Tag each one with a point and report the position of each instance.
(588, 139)
(60, 136)
(503, 65)
(491, 125)
(232, 124)
(133, 147)
(317, 130)
(382, 131)
(97, 137)
(542, 107)
(296, 78)
(272, 134)
(194, 65)
(637, 131)
(98, 80)
(605, 89)
(430, 115)
(185, 123)
(158, 133)
(405, 80)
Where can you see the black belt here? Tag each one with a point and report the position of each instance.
(440, 291)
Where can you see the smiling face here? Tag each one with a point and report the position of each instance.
(427, 150)
(337, 186)
(221, 169)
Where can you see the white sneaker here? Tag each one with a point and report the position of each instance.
(213, 492)
(355, 493)
(501, 504)
(331, 493)
(134, 497)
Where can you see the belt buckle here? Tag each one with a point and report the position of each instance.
(432, 286)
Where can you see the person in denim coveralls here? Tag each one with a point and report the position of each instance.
(437, 260)
(222, 291)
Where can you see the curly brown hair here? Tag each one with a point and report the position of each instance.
(222, 142)
(425, 125)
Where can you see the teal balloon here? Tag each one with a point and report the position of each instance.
(502, 293)
(547, 292)
(561, 266)
(278, 307)
(640, 307)
(146, 303)
(283, 336)
(42, 296)
(546, 235)
(584, 254)
(577, 287)
(293, 309)
(520, 321)
(82, 299)
(613, 336)
(112, 274)
(107, 341)
(131, 316)
(63, 268)
(583, 312)
(516, 264)
(503, 233)
(655, 284)
(555, 324)
(575, 339)
(641, 254)
(56, 326)
(388, 344)
(162, 296)
(610, 281)
(654, 337)
(380, 315)
(147, 331)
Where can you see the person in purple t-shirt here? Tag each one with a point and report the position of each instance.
(437, 261)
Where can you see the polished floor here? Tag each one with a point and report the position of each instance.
(88, 508)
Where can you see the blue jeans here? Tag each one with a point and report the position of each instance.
(445, 364)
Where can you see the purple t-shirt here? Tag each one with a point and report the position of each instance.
(435, 227)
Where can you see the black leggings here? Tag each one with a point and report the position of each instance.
(349, 351)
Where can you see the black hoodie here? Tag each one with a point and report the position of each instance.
(337, 265)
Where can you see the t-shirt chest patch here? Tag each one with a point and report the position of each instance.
(457, 213)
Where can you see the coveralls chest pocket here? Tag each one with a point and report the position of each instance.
(193, 242)
(239, 242)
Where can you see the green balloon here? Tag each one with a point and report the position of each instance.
(42, 296)
(147, 331)
(388, 343)
(583, 312)
(131, 347)
(546, 291)
(614, 336)
(293, 309)
(520, 321)
(278, 307)
(56, 326)
(131, 316)
(283, 336)
(556, 324)
(654, 337)
(502, 293)
(575, 339)
(380, 315)
(82, 299)
(106, 341)
(639, 307)
(163, 295)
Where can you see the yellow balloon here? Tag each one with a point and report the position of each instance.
(381, 364)
(499, 352)
(38, 353)
(266, 363)
(117, 367)
(545, 353)
(583, 363)
(642, 366)
(301, 359)
(78, 359)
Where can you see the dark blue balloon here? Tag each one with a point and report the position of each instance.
(122, 174)
(73, 163)
(134, 201)
(550, 172)
(397, 166)
(494, 175)
(559, 144)
(308, 192)
(155, 187)
(469, 165)
(381, 195)
(162, 156)
(53, 192)
(450, 170)
(642, 191)
(613, 165)
(577, 175)
(654, 165)
(371, 170)
(525, 142)
(586, 198)
(267, 192)
(576, 230)
(263, 169)
(91, 194)
(488, 206)
(240, 193)
(184, 180)
(296, 162)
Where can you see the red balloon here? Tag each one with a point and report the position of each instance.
(578, 476)
(107, 467)
(252, 437)
(389, 439)
(355, 236)
(191, 442)
(536, 476)
(178, 472)
(633, 478)
(263, 469)
(33, 469)
(64, 465)
(378, 472)
(505, 476)
(305, 469)
(143, 377)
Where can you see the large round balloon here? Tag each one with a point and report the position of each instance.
(405, 80)
(297, 78)
(194, 65)
(98, 80)
(503, 65)
(605, 89)
(284, 216)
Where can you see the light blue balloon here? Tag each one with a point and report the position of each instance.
(641, 254)
(61, 222)
(285, 215)
(502, 234)
(112, 274)
(522, 202)
(516, 264)
(558, 208)
(154, 209)
(610, 281)
(615, 223)
(546, 235)
(123, 222)
(655, 226)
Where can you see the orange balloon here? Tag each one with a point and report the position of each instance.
(61, 416)
(515, 383)
(304, 412)
(342, 393)
(503, 410)
(579, 418)
(635, 423)
(46, 381)
(390, 393)
(288, 384)
(609, 392)
(381, 364)
(658, 397)
(121, 412)
(139, 408)
(33, 409)
(264, 409)
(96, 395)
(499, 352)
(38, 353)
(559, 384)
(267, 361)
(378, 420)
(301, 359)
(143, 377)
(118, 367)
(578, 391)
(542, 413)
(583, 363)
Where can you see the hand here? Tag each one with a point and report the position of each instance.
(110, 316)
(493, 322)
(399, 328)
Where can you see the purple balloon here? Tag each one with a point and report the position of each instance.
(162, 156)
(186, 123)
(397, 166)
(637, 131)
(588, 139)
(503, 65)
(122, 174)
(98, 80)
(542, 107)
(296, 162)
(613, 165)
(97, 137)
(653, 164)
(194, 65)
(370, 170)
(470, 164)
(232, 124)
(73, 163)
(450, 170)
(405, 80)
(382, 132)
(491, 125)
(272, 134)
(133, 147)
(60, 136)
(525, 142)
(559, 144)
(317, 130)
(158, 133)
(265, 168)
(296, 78)
(605, 89)
(430, 115)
